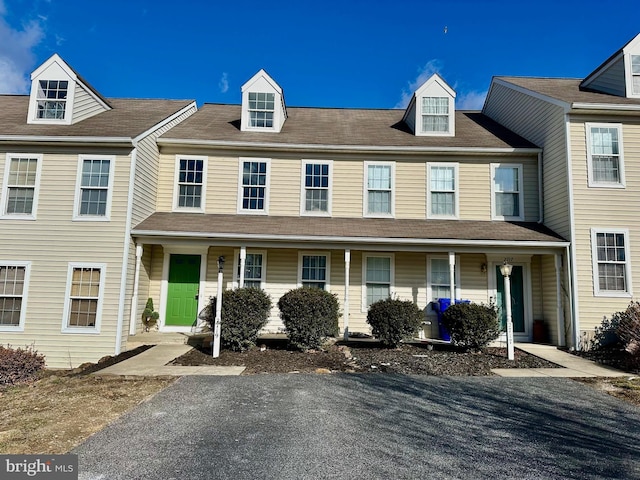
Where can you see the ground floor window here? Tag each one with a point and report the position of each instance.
(84, 297)
(378, 276)
(314, 270)
(12, 291)
(254, 266)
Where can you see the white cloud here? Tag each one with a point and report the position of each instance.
(223, 84)
(471, 100)
(431, 67)
(16, 53)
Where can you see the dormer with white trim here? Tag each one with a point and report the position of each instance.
(59, 96)
(263, 108)
(431, 111)
(620, 74)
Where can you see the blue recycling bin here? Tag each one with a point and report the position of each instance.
(440, 306)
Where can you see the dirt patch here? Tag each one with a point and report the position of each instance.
(627, 389)
(274, 357)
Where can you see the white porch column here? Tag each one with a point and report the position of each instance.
(133, 316)
(243, 258)
(347, 263)
(560, 310)
(452, 276)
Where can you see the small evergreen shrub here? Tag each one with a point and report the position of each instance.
(244, 312)
(628, 329)
(472, 325)
(605, 335)
(19, 365)
(309, 316)
(394, 320)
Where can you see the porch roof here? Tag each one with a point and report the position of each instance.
(346, 230)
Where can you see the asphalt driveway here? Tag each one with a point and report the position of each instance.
(369, 426)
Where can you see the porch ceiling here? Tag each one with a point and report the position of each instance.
(364, 230)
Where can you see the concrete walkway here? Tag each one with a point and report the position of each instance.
(573, 366)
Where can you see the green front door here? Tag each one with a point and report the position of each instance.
(184, 283)
(517, 299)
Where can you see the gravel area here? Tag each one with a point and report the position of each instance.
(273, 357)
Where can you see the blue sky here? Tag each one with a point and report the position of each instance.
(349, 53)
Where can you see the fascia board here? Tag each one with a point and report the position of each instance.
(169, 119)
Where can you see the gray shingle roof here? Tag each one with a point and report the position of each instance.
(567, 90)
(321, 228)
(128, 118)
(344, 127)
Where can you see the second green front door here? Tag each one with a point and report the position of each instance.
(182, 294)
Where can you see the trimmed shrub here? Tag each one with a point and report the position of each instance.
(244, 312)
(394, 320)
(471, 325)
(309, 316)
(19, 365)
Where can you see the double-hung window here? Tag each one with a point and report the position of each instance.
(51, 99)
(635, 74)
(378, 278)
(190, 183)
(314, 270)
(442, 200)
(435, 114)
(439, 278)
(95, 185)
(316, 182)
(254, 186)
(85, 290)
(261, 109)
(379, 189)
(604, 158)
(611, 270)
(507, 194)
(13, 292)
(20, 192)
(254, 269)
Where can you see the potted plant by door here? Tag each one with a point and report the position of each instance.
(149, 316)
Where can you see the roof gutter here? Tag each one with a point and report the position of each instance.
(606, 106)
(58, 139)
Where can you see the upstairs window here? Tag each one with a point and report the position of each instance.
(635, 74)
(21, 183)
(261, 109)
(316, 179)
(254, 182)
(442, 198)
(379, 190)
(95, 185)
(507, 192)
(51, 99)
(435, 114)
(604, 143)
(190, 183)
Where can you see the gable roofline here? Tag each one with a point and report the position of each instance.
(608, 62)
(262, 74)
(69, 70)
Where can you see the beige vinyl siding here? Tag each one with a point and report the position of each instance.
(410, 185)
(604, 208)
(549, 297)
(54, 240)
(474, 190)
(282, 276)
(284, 188)
(537, 300)
(612, 80)
(348, 177)
(543, 124)
(85, 105)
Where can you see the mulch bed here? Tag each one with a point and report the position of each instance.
(273, 357)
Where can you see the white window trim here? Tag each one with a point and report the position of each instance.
(456, 208)
(456, 280)
(594, 259)
(25, 292)
(304, 253)
(365, 256)
(520, 168)
(591, 181)
(303, 189)
(176, 187)
(236, 263)
(78, 195)
(264, 211)
(5, 188)
(629, 75)
(68, 109)
(67, 299)
(365, 191)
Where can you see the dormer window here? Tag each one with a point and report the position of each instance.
(52, 99)
(261, 109)
(635, 74)
(435, 114)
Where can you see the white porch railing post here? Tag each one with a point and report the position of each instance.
(133, 315)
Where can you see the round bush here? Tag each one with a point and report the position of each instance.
(244, 312)
(471, 325)
(394, 320)
(309, 316)
(19, 365)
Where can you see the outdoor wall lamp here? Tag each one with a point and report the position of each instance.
(220, 263)
(483, 268)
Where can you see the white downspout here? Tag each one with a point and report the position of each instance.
(134, 298)
(560, 310)
(347, 264)
(243, 258)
